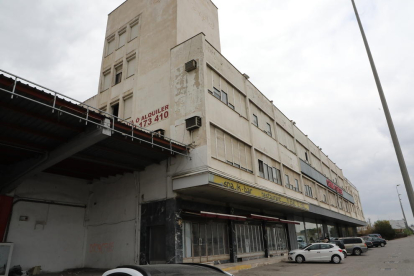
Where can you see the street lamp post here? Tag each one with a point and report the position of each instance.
(398, 152)
(402, 209)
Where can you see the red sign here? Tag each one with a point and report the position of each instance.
(152, 117)
(334, 187)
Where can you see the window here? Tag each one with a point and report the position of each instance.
(131, 62)
(224, 98)
(297, 184)
(255, 120)
(231, 106)
(106, 81)
(324, 198)
(118, 74)
(134, 30)
(266, 171)
(306, 156)
(128, 108)
(217, 93)
(308, 191)
(110, 45)
(115, 109)
(269, 169)
(229, 149)
(269, 130)
(261, 173)
(276, 176)
(122, 38)
(287, 180)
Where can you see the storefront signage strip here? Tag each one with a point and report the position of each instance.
(255, 192)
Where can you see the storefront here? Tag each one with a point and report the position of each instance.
(207, 236)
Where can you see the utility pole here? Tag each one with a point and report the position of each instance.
(402, 209)
(398, 152)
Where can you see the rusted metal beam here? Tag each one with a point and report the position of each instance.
(29, 130)
(44, 118)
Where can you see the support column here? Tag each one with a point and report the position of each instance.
(291, 232)
(232, 241)
(265, 240)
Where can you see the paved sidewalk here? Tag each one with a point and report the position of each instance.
(236, 267)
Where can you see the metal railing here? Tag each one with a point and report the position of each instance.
(87, 117)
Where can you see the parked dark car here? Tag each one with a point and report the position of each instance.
(375, 236)
(341, 245)
(167, 269)
(368, 241)
(375, 241)
(379, 242)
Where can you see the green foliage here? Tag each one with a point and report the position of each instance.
(384, 228)
(408, 232)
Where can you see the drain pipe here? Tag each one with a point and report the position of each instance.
(137, 218)
(40, 201)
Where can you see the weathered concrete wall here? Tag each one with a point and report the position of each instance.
(110, 222)
(51, 232)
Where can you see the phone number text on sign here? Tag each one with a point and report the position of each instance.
(152, 117)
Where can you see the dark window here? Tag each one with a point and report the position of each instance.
(255, 120)
(278, 176)
(118, 74)
(217, 93)
(118, 77)
(265, 169)
(115, 109)
(269, 129)
(297, 184)
(270, 173)
(306, 156)
(314, 247)
(261, 173)
(326, 246)
(287, 179)
(224, 97)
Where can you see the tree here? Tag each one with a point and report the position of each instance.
(384, 228)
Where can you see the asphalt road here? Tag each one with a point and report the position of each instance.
(395, 259)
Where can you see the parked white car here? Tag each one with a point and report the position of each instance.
(317, 252)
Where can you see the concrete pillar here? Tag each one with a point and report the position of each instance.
(265, 240)
(325, 229)
(232, 241)
(173, 231)
(291, 233)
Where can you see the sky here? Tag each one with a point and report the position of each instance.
(305, 55)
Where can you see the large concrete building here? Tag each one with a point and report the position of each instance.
(248, 184)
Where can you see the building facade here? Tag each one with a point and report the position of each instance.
(255, 184)
(216, 174)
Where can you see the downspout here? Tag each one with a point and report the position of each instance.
(137, 218)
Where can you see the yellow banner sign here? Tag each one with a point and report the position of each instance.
(252, 191)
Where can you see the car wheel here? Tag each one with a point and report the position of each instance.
(382, 244)
(336, 259)
(299, 259)
(357, 251)
(376, 246)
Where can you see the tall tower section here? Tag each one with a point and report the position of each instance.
(135, 72)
